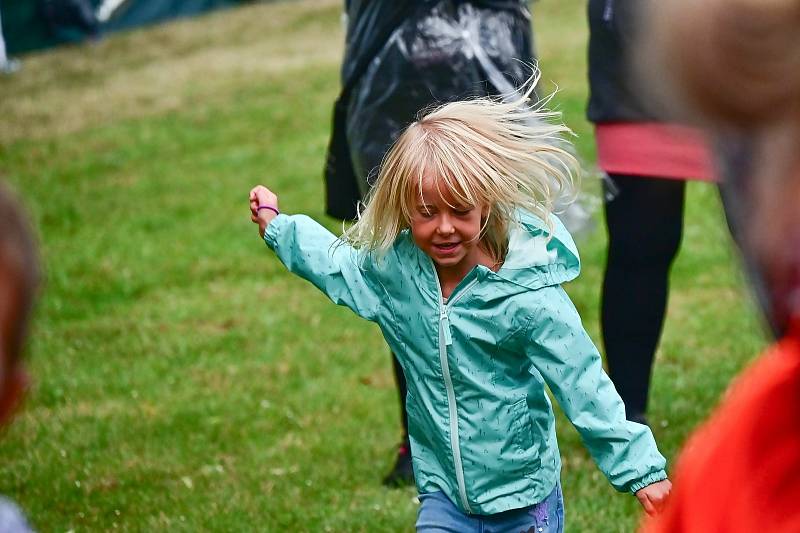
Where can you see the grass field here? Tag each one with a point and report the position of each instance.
(183, 380)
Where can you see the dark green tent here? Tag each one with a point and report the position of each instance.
(35, 24)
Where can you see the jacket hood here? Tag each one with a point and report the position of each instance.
(534, 260)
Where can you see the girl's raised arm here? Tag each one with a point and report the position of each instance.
(314, 253)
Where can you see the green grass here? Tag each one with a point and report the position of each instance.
(183, 380)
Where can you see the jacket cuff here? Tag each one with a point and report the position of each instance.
(273, 229)
(649, 479)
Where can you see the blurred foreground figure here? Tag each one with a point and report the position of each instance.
(19, 278)
(736, 65)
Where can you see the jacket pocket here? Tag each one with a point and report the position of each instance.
(522, 427)
(419, 429)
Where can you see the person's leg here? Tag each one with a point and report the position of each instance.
(437, 514)
(402, 472)
(402, 390)
(645, 223)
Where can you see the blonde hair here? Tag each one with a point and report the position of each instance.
(505, 155)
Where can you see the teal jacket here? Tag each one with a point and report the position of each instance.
(480, 423)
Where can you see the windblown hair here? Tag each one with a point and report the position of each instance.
(504, 155)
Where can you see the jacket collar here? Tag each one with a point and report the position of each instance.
(539, 256)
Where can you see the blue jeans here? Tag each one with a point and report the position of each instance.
(437, 514)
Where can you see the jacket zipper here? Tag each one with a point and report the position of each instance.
(445, 340)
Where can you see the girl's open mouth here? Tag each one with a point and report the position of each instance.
(446, 247)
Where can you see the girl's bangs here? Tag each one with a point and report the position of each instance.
(450, 179)
(414, 172)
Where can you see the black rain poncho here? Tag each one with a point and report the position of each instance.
(401, 57)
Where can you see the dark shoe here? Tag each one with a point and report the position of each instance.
(403, 473)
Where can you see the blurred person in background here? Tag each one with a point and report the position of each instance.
(734, 66)
(401, 57)
(19, 277)
(647, 162)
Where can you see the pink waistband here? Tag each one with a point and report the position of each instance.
(653, 149)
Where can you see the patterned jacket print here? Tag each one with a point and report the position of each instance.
(481, 425)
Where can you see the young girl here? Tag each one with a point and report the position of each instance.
(458, 260)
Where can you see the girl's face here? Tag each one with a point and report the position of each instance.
(449, 235)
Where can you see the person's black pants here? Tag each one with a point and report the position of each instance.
(645, 223)
(402, 389)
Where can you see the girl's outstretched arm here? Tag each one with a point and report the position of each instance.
(561, 352)
(314, 253)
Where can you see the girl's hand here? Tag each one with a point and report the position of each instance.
(261, 196)
(654, 497)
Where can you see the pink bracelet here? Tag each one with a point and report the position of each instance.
(273, 209)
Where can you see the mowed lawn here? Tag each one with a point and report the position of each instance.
(183, 380)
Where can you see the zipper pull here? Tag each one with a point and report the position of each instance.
(448, 339)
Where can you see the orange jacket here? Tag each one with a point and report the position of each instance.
(741, 470)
